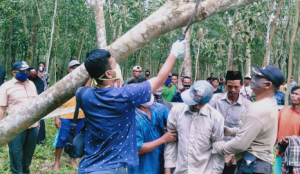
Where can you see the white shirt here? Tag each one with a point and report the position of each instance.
(193, 152)
(246, 90)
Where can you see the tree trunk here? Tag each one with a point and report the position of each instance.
(100, 23)
(295, 28)
(51, 37)
(230, 47)
(267, 55)
(200, 38)
(80, 45)
(172, 15)
(9, 57)
(187, 54)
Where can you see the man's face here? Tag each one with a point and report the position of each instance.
(292, 79)
(136, 73)
(72, 68)
(221, 76)
(14, 72)
(247, 81)
(41, 65)
(174, 80)
(186, 81)
(147, 74)
(215, 83)
(295, 97)
(233, 87)
(32, 71)
(211, 75)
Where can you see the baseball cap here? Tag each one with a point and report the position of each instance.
(272, 73)
(137, 68)
(73, 63)
(200, 93)
(20, 66)
(247, 77)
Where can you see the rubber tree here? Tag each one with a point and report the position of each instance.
(172, 15)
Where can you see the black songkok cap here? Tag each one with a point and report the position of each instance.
(234, 75)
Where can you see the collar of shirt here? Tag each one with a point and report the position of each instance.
(14, 80)
(238, 101)
(203, 111)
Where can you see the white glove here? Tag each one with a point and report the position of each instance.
(178, 48)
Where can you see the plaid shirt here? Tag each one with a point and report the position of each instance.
(292, 156)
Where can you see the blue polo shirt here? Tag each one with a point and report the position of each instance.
(110, 139)
(147, 131)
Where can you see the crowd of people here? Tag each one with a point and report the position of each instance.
(164, 123)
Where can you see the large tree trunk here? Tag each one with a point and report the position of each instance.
(172, 15)
(200, 38)
(295, 28)
(230, 47)
(100, 23)
(187, 54)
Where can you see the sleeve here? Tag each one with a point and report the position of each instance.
(139, 137)
(176, 98)
(218, 135)
(3, 96)
(213, 101)
(171, 148)
(138, 94)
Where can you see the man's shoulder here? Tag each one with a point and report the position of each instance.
(215, 113)
(246, 102)
(179, 107)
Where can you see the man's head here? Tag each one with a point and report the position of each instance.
(136, 71)
(295, 95)
(233, 83)
(247, 80)
(41, 66)
(211, 75)
(215, 82)
(292, 78)
(187, 82)
(147, 73)
(99, 63)
(266, 80)
(20, 71)
(174, 78)
(32, 72)
(73, 65)
(221, 75)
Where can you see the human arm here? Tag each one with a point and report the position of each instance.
(176, 51)
(2, 111)
(57, 122)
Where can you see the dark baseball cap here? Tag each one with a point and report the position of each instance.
(272, 73)
(20, 66)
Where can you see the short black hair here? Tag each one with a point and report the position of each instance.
(187, 77)
(139, 80)
(295, 88)
(213, 79)
(96, 62)
(42, 63)
(211, 73)
(174, 74)
(147, 71)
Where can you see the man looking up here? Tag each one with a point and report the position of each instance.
(232, 106)
(198, 125)
(136, 73)
(246, 91)
(254, 140)
(14, 94)
(110, 141)
(169, 89)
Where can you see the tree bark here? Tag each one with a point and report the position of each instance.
(200, 38)
(187, 54)
(295, 28)
(100, 23)
(230, 47)
(172, 15)
(9, 57)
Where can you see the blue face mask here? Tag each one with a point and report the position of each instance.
(22, 77)
(141, 75)
(168, 81)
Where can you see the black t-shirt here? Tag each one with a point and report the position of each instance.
(218, 91)
(209, 79)
(39, 84)
(221, 79)
(2, 75)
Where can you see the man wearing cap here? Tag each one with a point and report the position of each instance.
(14, 94)
(136, 72)
(169, 89)
(254, 140)
(246, 91)
(232, 106)
(63, 123)
(198, 125)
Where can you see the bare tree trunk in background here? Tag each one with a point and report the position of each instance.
(187, 54)
(172, 15)
(200, 38)
(9, 57)
(80, 45)
(100, 23)
(295, 28)
(267, 55)
(230, 47)
(271, 18)
(51, 37)
(180, 73)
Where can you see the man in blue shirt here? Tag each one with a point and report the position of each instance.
(150, 121)
(110, 140)
(280, 97)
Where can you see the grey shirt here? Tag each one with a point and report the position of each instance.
(127, 80)
(232, 113)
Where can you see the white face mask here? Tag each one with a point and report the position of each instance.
(41, 68)
(149, 103)
(118, 74)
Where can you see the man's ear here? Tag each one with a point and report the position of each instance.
(108, 74)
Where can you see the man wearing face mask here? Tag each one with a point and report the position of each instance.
(169, 89)
(111, 141)
(186, 82)
(198, 125)
(136, 73)
(158, 98)
(14, 94)
(44, 75)
(254, 140)
(147, 74)
(151, 137)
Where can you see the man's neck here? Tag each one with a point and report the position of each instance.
(296, 107)
(106, 83)
(246, 85)
(263, 95)
(143, 108)
(232, 97)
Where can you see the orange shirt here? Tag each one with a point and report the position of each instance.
(288, 124)
(70, 103)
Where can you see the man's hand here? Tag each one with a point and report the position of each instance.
(231, 159)
(178, 48)
(227, 131)
(284, 141)
(169, 136)
(167, 171)
(57, 122)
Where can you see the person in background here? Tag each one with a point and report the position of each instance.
(39, 84)
(282, 87)
(215, 83)
(246, 90)
(174, 81)
(210, 78)
(221, 82)
(14, 94)
(3, 75)
(186, 85)
(158, 98)
(293, 83)
(169, 89)
(147, 74)
(198, 126)
(44, 75)
(63, 124)
(136, 73)
(150, 119)
(288, 125)
(232, 106)
(280, 97)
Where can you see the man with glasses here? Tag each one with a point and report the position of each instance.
(14, 94)
(136, 73)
